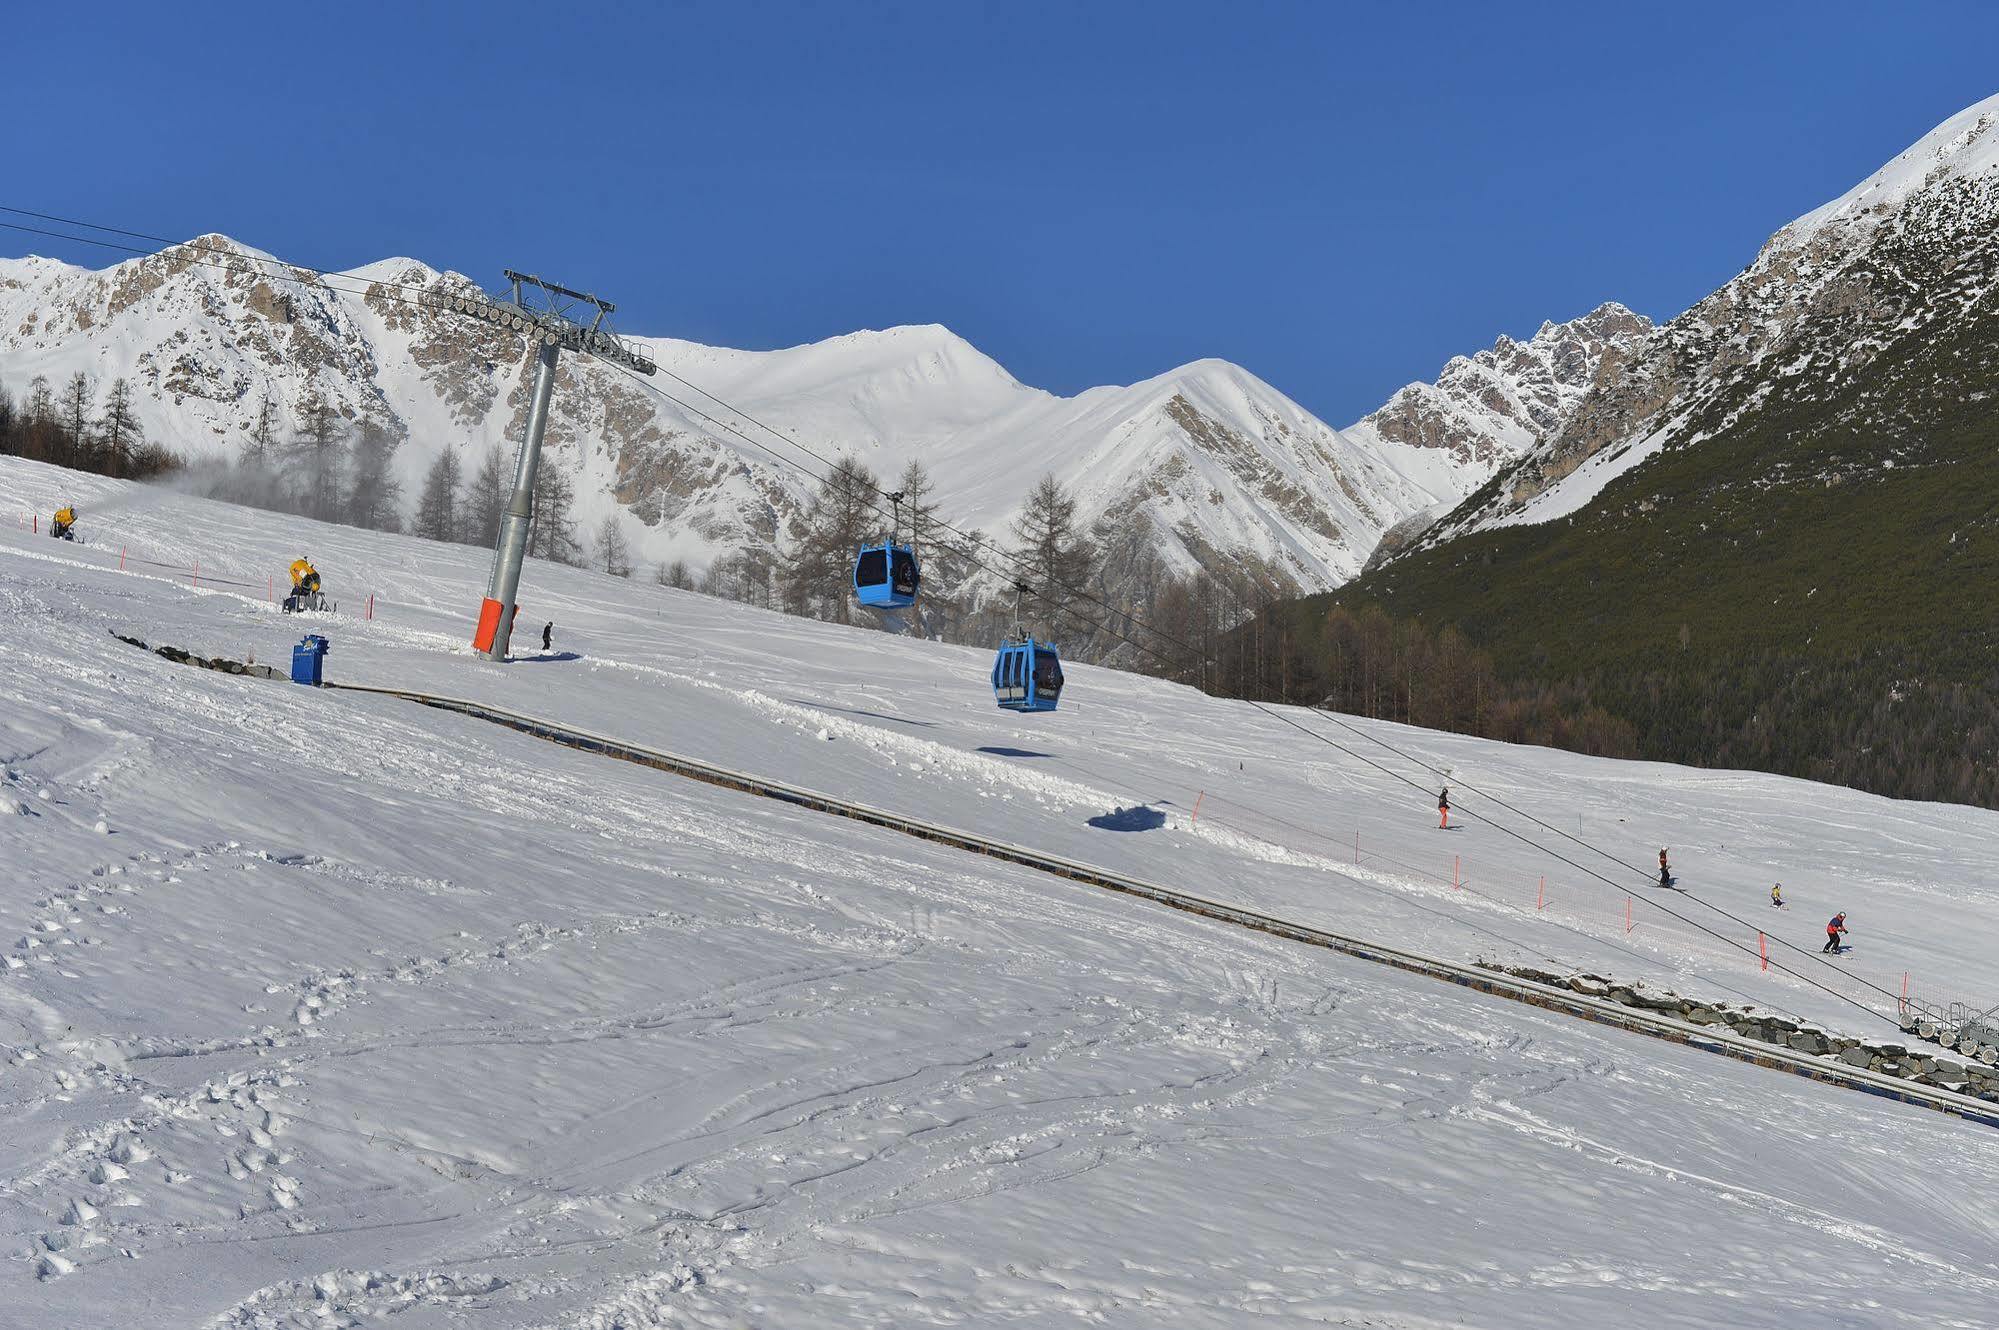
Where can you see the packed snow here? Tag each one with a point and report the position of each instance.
(320, 1008)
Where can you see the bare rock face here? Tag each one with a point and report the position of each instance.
(1492, 407)
(1907, 248)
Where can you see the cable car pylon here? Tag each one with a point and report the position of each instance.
(551, 331)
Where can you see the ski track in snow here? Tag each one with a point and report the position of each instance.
(323, 1009)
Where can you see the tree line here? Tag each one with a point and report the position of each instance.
(72, 427)
(1367, 663)
(1103, 592)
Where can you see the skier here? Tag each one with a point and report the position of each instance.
(1665, 872)
(1835, 929)
(1777, 895)
(547, 636)
(1444, 808)
(62, 528)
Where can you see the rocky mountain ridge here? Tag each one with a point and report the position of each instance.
(1903, 252)
(1209, 465)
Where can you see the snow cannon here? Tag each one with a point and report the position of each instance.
(309, 659)
(305, 594)
(63, 525)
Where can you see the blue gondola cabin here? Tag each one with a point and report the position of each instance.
(1027, 675)
(886, 576)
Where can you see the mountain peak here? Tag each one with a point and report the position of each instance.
(1493, 406)
(1965, 147)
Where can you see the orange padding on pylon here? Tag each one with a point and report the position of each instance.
(489, 625)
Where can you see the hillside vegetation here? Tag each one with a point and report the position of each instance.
(1808, 589)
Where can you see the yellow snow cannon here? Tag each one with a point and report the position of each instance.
(63, 527)
(306, 595)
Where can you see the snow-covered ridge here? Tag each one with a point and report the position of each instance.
(1890, 259)
(1207, 463)
(1965, 146)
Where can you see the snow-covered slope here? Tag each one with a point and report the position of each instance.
(1898, 257)
(323, 1009)
(1217, 466)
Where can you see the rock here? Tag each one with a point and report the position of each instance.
(1589, 986)
(1856, 1056)
(1805, 1041)
(1703, 1016)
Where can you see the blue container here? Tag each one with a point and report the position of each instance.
(307, 658)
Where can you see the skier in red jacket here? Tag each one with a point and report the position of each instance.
(1835, 929)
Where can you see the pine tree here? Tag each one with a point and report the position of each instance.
(374, 497)
(552, 528)
(1055, 558)
(257, 446)
(612, 550)
(940, 553)
(38, 416)
(322, 456)
(119, 430)
(486, 501)
(818, 576)
(77, 396)
(437, 505)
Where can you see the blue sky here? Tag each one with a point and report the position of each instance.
(1338, 196)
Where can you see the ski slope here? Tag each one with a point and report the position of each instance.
(342, 1011)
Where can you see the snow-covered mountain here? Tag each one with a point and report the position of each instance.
(1222, 468)
(1902, 255)
(1488, 409)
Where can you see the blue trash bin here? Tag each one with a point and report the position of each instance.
(307, 659)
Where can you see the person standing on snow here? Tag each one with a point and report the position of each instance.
(547, 635)
(1665, 873)
(1444, 808)
(1777, 895)
(1835, 929)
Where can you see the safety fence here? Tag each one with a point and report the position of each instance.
(1622, 917)
(202, 573)
(1869, 1080)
